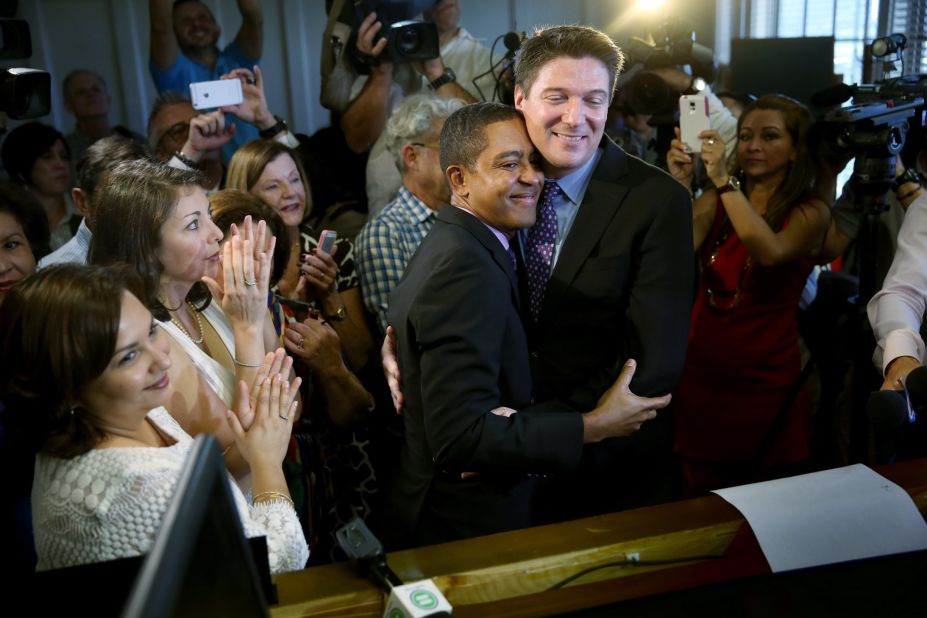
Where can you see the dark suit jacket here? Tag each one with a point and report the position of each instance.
(622, 288)
(462, 352)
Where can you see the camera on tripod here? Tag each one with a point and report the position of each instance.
(671, 45)
(24, 93)
(407, 40)
(874, 128)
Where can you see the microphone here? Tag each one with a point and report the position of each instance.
(420, 599)
(512, 41)
(888, 409)
(893, 409)
(916, 383)
(832, 95)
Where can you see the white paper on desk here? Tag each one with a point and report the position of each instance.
(831, 516)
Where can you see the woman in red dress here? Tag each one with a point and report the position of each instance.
(738, 417)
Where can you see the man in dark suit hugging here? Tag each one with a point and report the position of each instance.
(475, 443)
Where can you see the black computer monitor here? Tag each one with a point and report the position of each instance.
(797, 67)
(200, 563)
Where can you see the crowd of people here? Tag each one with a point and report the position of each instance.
(563, 329)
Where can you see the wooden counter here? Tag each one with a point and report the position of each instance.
(513, 573)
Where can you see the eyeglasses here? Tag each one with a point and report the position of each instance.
(430, 146)
(177, 132)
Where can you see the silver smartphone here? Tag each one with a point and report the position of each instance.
(693, 119)
(218, 93)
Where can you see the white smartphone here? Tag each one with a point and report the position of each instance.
(218, 93)
(693, 119)
(327, 240)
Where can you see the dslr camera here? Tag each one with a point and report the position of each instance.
(24, 93)
(408, 40)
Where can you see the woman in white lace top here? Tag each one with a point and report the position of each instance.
(86, 371)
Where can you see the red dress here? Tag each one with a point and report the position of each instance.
(743, 357)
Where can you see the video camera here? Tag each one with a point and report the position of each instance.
(24, 93)
(407, 40)
(671, 45)
(873, 129)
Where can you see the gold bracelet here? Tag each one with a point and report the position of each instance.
(241, 364)
(273, 496)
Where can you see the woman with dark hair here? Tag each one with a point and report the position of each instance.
(37, 157)
(23, 230)
(156, 219)
(85, 370)
(739, 415)
(327, 282)
(23, 236)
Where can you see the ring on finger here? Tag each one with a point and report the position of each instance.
(283, 417)
(299, 344)
(252, 282)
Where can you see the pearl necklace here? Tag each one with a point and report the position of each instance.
(199, 324)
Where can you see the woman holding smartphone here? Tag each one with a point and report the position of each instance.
(739, 415)
(321, 280)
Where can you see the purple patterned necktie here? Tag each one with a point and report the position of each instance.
(539, 247)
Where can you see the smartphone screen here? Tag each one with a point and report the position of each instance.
(327, 240)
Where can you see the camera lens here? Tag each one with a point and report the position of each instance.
(408, 40)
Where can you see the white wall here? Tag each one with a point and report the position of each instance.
(111, 37)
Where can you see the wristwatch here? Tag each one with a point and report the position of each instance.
(340, 314)
(909, 175)
(278, 127)
(445, 78)
(732, 184)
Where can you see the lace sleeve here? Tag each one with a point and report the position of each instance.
(286, 545)
(91, 509)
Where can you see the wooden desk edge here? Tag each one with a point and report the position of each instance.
(337, 590)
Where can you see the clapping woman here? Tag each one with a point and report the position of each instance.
(157, 220)
(327, 281)
(739, 416)
(86, 372)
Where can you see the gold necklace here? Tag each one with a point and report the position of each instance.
(199, 324)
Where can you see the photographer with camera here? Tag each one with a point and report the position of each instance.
(739, 417)
(373, 98)
(183, 50)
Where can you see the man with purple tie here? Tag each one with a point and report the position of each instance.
(476, 445)
(610, 268)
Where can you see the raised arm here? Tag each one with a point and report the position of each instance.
(804, 234)
(250, 37)
(163, 48)
(364, 119)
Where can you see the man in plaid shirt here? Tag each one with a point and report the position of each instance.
(387, 242)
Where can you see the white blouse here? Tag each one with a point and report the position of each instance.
(109, 503)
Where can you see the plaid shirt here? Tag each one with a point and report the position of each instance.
(386, 245)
